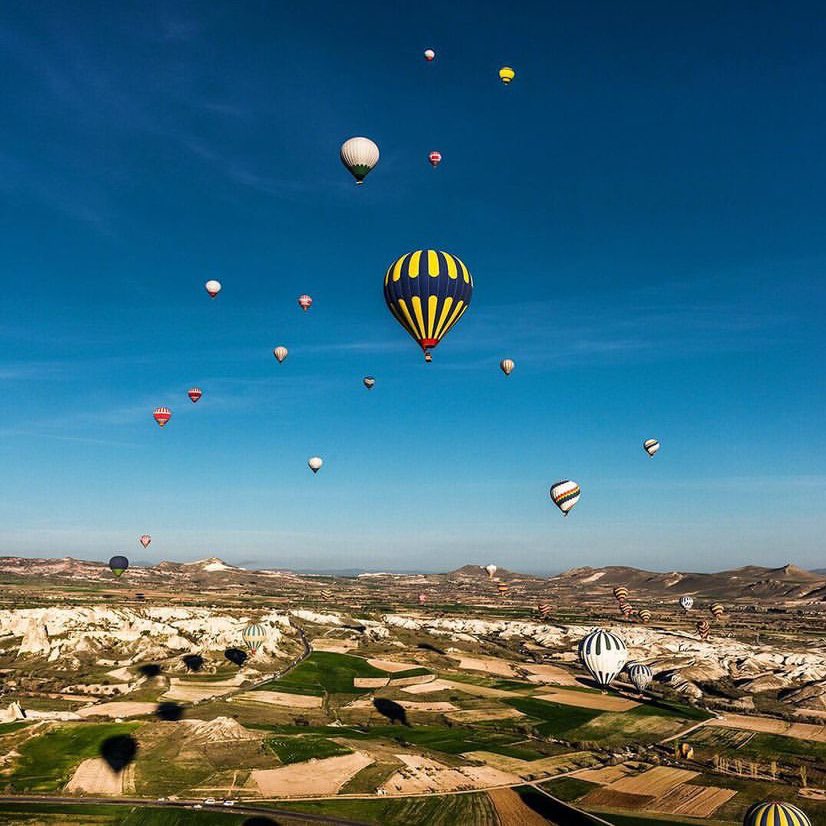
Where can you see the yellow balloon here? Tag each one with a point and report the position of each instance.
(506, 74)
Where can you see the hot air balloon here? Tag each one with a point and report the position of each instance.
(435, 158)
(644, 614)
(603, 654)
(254, 636)
(145, 540)
(775, 814)
(545, 609)
(213, 288)
(422, 599)
(359, 155)
(620, 593)
(717, 610)
(506, 75)
(565, 495)
(491, 570)
(369, 382)
(506, 366)
(703, 629)
(315, 463)
(503, 588)
(640, 675)
(686, 603)
(429, 55)
(626, 609)
(280, 353)
(194, 394)
(651, 446)
(427, 292)
(327, 595)
(162, 415)
(305, 302)
(118, 564)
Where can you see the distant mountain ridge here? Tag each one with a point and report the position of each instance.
(787, 582)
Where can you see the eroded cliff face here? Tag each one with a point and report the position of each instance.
(135, 634)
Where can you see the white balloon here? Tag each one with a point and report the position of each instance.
(213, 288)
(650, 446)
(280, 353)
(315, 463)
(640, 675)
(603, 654)
(359, 155)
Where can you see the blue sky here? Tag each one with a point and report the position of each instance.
(642, 210)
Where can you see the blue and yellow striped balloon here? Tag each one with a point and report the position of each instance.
(775, 814)
(428, 292)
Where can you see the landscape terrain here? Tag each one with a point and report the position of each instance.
(401, 698)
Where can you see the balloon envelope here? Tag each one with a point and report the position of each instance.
(280, 353)
(686, 603)
(254, 636)
(435, 158)
(145, 540)
(194, 394)
(491, 570)
(640, 675)
(776, 814)
(427, 292)
(651, 446)
(603, 654)
(369, 382)
(360, 156)
(118, 564)
(315, 463)
(162, 415)
(429, 54)
(305, 302)
(506, 74)
(565, 495)
(213, 288)
(506, 366)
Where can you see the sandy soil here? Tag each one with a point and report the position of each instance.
(122, 674)
(768, 725)
(424, 775)
(450, 685)
(409, 705)
(94, 776)
(606, 775)
(490, 665)
(655, 782)
(191, 691)
(693, 801)
(540, 673)
(392, 666)
(607, 797)
(601, 702)
(511, 811)
(281, 698)
(483, 715)
(421, 678)
(117, 709)
(370, 682)
(312, 777)
(334, 646)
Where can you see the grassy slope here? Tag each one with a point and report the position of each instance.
(304, 747)
(91, 815)
(46, 762)
(448, 810)
(325, 672)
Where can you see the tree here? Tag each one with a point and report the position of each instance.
(804, 774)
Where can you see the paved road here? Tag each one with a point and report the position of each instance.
(240, 809)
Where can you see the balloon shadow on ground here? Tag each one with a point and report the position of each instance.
(150, 670)
(169, 712)
(426, 646)
(390, 709)
(193, 662)
(119, 751)
(236, 655)
(360, 628)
